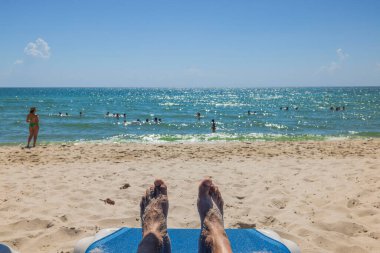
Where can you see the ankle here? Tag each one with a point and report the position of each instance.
(217, 231)
(151, 242)
(216, 241)
(213, 230)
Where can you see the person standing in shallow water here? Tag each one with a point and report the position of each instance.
(213, 126)
(33, 121)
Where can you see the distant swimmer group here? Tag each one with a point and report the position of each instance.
(337, 108)
(116, 115)
(156, 120)
(286, 108)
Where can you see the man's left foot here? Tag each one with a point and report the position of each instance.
(154, 207)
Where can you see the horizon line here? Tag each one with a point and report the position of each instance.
(197, 87)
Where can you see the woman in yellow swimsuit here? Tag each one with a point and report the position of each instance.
(33, 120)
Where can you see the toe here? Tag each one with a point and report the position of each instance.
(142, 203)
(160, 187)
(147, 194)
(142, 207)
(204, 187)
(217, 197)
(151, 192)
(215, 193)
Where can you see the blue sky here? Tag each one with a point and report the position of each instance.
(189, 43)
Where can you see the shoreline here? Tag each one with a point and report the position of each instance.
(321, 194)
(295, 149)
(270, 138)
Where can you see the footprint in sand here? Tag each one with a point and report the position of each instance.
(279, 203)
(343, 227)
(350, 249)
(63, 218)
(374, 235)
(30, 225)
(376, 205)
(352, 202)
(245, 225)
(268, 220)
(310, 179)
(366, 212)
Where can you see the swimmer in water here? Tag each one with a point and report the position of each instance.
(213, 126)
(80, 114)
(198, 115)
(146, 120)
(67, 114)
(156, 120)
(249, 113)
(159, 120)
(124, 115)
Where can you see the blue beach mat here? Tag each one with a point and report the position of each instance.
(126, 240)
(5, 249)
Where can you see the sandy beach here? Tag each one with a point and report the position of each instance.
(322, 195)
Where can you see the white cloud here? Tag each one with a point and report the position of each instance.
(18, 62)
(193, 71)
(334, 66)
(341, 54)
(39, 48)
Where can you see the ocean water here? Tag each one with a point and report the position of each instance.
(177, 108)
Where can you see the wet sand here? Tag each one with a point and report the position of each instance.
(322, 195)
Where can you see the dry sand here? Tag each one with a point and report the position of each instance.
(322, 195)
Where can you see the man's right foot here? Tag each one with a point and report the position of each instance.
(210, 207)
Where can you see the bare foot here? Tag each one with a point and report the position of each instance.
(210, 207)
(154, 212)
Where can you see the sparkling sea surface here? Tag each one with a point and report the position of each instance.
(308, 117)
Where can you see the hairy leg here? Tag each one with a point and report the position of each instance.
(213, 237)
